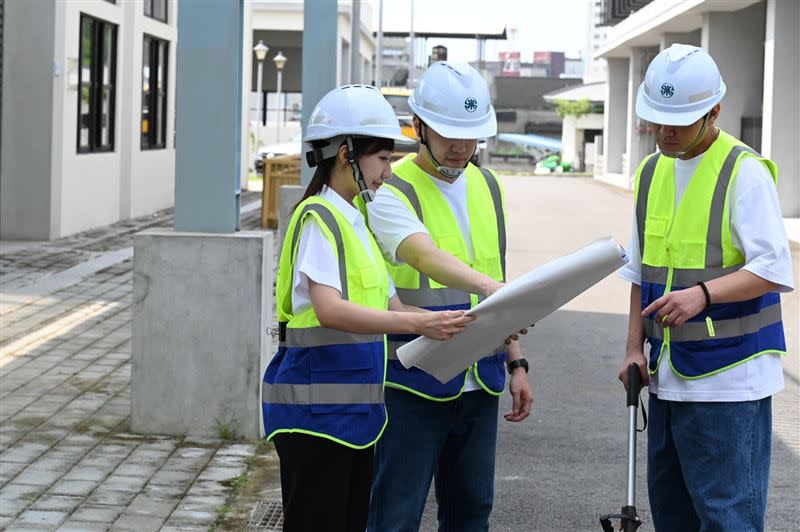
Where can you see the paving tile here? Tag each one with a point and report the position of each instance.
(80, 472)
(113, 498)
(79, 488)
(136, 523)
(221, 473)
(124, 483)
(39, 477)
(148, 505)
(102, 513)
(166, 476)
(41, 519)
(74, 525)
(63, 503)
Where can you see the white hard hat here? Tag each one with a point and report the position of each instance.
(453, 99)
(681, 85)
(353, 110)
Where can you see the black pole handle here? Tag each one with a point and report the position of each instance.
(634, 384)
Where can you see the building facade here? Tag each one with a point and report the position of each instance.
(754, 43)
(88, 106)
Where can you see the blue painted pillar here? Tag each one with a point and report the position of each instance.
(320, 45)
(208, 116)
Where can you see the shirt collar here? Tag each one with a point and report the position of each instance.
(350, 213)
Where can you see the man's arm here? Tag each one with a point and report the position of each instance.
(421, 253)
(634, 349)
(519, 387)
(676, 307)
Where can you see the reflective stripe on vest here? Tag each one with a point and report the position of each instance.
(490, 370)
(322, 393)
(322, 381)
(729, 333)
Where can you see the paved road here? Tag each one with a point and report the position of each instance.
(562, 468)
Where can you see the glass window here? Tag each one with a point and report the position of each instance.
(155, 56)
(96, 85)
(156, 9)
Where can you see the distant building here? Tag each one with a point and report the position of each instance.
(521, 107)
(755, 43)
(88, 114)
(552, 62)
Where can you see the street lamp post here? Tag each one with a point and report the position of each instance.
(261, 50)
(280, 61)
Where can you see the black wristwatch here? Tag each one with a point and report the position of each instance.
(519, 363)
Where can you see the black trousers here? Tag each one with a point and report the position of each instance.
(325, 485)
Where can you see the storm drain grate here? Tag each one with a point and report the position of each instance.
(267, 515)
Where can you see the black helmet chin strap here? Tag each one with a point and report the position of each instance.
(352, 158)
(449, 172)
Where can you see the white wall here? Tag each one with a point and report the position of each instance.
(86, 185)
(97, 189)
(736, 42)
(781, 125)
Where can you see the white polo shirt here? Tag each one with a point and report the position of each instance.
(757, 230)
(316, 258)
(392, 222)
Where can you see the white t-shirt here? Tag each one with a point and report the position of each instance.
(392, 222)
(316, 258)
(757, 230)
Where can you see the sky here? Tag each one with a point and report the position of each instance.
(542, 25)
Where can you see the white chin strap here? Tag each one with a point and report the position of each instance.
(367, 195)
(449, 172)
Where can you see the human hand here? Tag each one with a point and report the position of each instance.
(639, 359)
(676, 307)
(521, 396)
(441, 325)
(514, 337)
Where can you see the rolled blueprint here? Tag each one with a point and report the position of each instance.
(517, 305)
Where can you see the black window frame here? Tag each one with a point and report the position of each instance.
(96, 54)
(149, 140)
(149, 8)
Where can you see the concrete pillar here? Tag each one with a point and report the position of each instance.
(209, 115)
(692, 37)
(638, 140)
(781, 124)
(201, 307)
(615, 117)
(247, 83)
(319, 61)
(28, 196)
(735, 39)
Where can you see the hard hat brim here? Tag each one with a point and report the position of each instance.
(457, 131)
(646, 111)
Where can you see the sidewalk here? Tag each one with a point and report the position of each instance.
(67, 460)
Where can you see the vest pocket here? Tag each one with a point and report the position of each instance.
(368, 277)
(345, 366)
(692, 253)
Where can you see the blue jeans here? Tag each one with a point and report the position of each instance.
(708, 465)
(454, 442)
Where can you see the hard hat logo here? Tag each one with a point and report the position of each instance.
(471, 105)
(667, 90)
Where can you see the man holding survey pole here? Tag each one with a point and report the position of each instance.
(709, 257)
(440, 223)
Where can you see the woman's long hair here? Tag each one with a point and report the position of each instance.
(322, 176)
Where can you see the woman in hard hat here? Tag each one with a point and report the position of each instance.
(323, 390)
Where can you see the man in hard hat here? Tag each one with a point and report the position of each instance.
(709, 257)
(440, 222)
